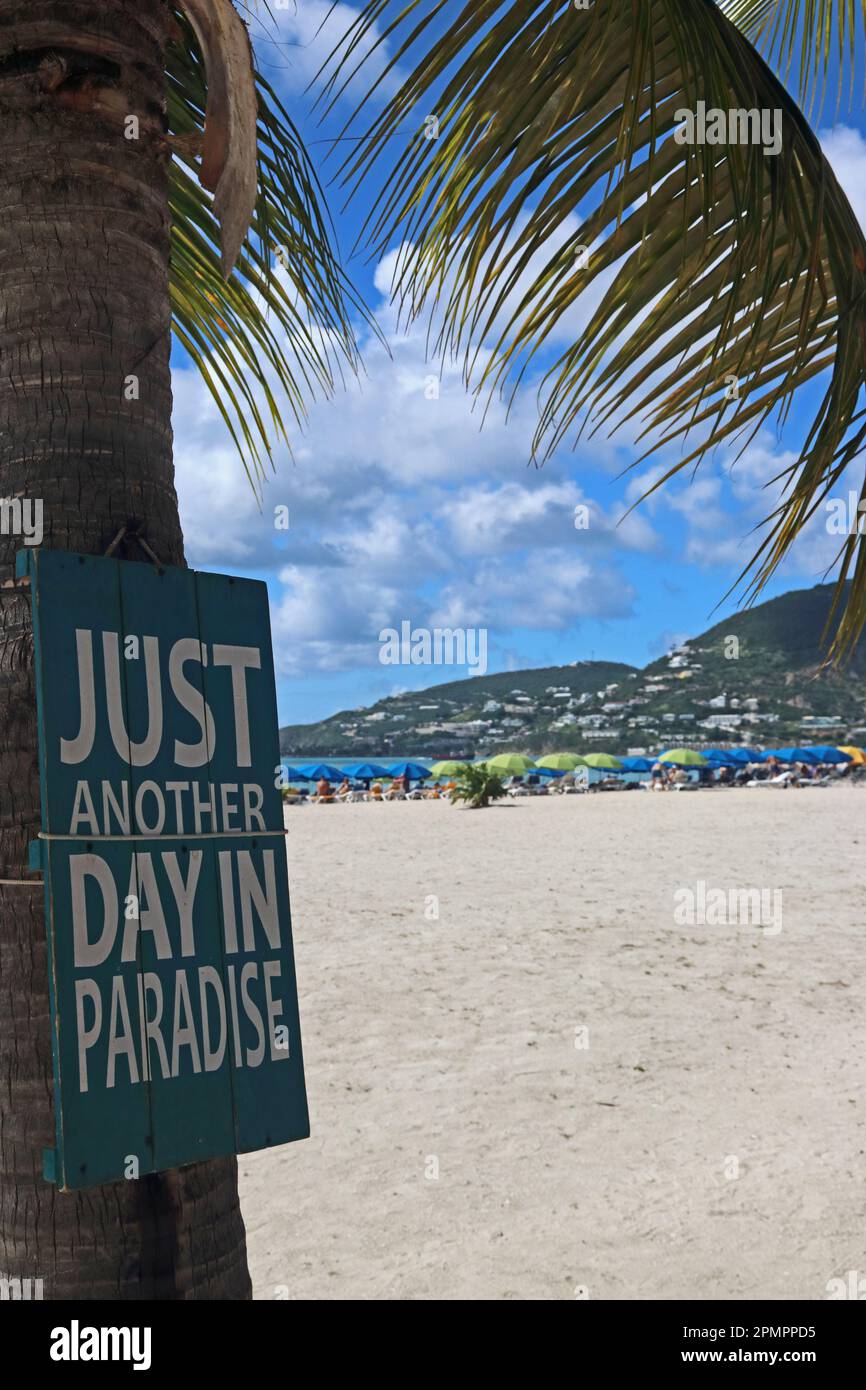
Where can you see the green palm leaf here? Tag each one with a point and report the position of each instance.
(719, 261)
(806, 36)
(278, 331)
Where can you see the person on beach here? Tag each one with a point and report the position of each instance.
(324, 791)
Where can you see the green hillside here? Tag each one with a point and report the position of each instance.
(754, 678)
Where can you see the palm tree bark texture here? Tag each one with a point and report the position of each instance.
(84, 309)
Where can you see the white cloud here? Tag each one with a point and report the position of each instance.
(299, 37)
(488, 519)
(402, 507)
(846, 150)
(725, 508)
(550, 590)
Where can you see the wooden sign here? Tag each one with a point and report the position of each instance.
(173, 998)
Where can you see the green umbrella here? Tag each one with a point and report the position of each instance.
(512, 763)
(446, 769)
(684, 757)
(561, 762)
(606, 760)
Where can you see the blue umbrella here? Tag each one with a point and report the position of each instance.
(545, 772)
(326, 770)
(638, 764)
(367, 771)
(294, 773)
(723, 757)
(744, 755)
(792, 755)
(414, 771)
(825, 754)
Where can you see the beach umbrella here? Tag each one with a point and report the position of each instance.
(366, 771)
(722, 757)
(315, 774)
(683, 757)
(737, 757)
(414, 771)
(746, 755)
(604, 760)
(550, 771)
(512, 764)
(637, 764)
(560, 762)
(825, 754)
(448, 768)
(294, 774)
(857, 755)
(792, 755)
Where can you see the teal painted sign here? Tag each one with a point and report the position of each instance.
(173, 998)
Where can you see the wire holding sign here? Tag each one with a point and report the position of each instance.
(174, 1004)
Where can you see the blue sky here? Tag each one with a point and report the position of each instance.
(402, 507)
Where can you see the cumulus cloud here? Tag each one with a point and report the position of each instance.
(488, 519)
(725, 508)
(846, 150)
(297, 39)
(550, 590)
(401, 507)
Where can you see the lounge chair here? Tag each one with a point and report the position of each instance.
(577, 781)
(293, 796)
(783, 779)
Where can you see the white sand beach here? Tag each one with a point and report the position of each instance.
(709, 1142)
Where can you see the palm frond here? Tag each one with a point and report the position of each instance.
(278, 331)
(720, 261)
(807, 37)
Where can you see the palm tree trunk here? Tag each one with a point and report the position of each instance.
(84, 307)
